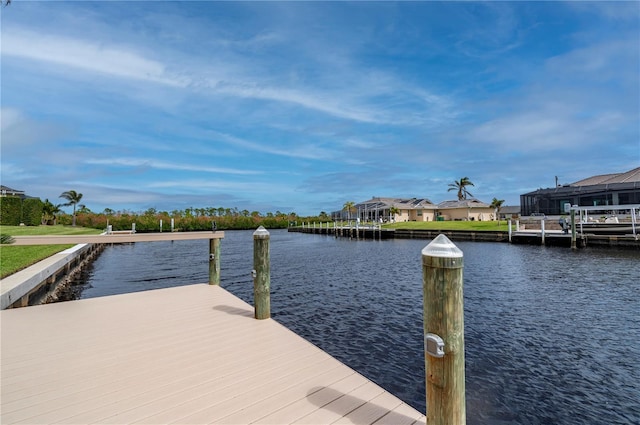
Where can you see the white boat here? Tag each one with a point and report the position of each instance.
(609, 226)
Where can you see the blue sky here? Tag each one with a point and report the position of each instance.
(303, 106)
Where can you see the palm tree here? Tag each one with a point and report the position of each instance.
(461, 187)
(349, 206)
(393, 211)
(497, 204)
(49, 212)
(74, 198)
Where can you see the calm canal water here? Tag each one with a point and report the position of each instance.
(552, 336)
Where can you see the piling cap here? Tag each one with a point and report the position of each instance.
(261, 232)
(441, 246)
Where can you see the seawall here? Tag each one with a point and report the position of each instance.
(43, 281)
(553, 237)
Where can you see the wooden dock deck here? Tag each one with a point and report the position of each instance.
(187, 355)
(113, 238)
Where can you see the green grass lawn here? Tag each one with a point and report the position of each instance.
(47, 230)
(16, 258)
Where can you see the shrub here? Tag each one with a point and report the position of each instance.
(10, 210)
(32, 211)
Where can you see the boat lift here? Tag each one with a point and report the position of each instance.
(610, 224)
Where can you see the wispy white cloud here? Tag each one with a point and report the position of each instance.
(15, 172)
(166, 165)
(88, 56)
(614, 10)
(300, 150)
(600, 61)
(531, 132)
(572, 101)
(377, 97)
(388, 102)
(356, 143)
(479, 40)
(19, 131)
(218, 66)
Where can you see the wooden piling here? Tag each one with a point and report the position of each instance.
(261, 274)
(573, 230)
(214, 261)
(443, 264)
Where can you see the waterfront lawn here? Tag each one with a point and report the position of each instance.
(47, 230)
(16, 258)
(474, 226)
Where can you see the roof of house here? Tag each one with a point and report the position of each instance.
(629, 176)
(6, 189)
(465, 203)
(510, 209)
(629, 180)
(400, 203)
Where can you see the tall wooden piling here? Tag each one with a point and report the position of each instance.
(214, 261)
(442, 266)
(261, 274)
(573, 229)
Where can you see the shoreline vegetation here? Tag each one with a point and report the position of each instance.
(189, 220)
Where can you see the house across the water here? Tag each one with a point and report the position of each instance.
(605, 189)
(416, 209)
(7, 191)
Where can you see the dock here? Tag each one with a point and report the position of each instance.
(40, 282)
(191, 355)
(530, 236)
(115, 237)
(373, 232)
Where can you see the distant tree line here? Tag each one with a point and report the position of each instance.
(188, 220)
(33, 212)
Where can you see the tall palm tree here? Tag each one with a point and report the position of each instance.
(497, 204)
(349, 206)
(461, 187)
(74, 198)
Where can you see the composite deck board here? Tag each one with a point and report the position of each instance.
(191, 354)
